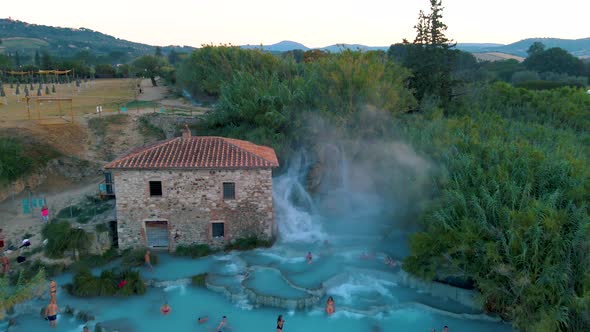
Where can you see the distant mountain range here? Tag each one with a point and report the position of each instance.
(27, 38)
(578, 47)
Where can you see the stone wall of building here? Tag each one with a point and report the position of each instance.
(191, 201)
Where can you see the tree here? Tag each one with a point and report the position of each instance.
(430, 56)
(536, 48)
(37, 59)
(46, 62)
(149, 66)
(172, 57)
(158, 51)
(104, 70)
(555, 60)
(22, 291)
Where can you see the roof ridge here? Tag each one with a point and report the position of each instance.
(225, 139)
(141, 151)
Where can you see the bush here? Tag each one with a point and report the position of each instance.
(61, 237)
(107, 284)
(193, 250)
(199, 280)
(90, 261)
(248, 243)
(135, 258)
(56, 234)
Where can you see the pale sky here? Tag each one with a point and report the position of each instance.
(314, 23)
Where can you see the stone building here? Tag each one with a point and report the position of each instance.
(194, 190)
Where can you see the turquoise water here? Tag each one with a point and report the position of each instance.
(368, 295)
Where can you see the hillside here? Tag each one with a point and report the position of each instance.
(27, 38)
(577, 47)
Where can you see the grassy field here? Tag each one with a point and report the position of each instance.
(22, 43)
(110, 93)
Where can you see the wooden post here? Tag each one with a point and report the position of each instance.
(72, 111)
(28, 108)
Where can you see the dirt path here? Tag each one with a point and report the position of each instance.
(16, 224)
(152, 93)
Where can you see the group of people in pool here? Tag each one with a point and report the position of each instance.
(166, 309)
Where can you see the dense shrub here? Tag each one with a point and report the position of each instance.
(62, 237)
(13, 161)
(193, 250)
(248, 243)
(84, 284)
(199, 280)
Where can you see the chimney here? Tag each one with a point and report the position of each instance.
(186, 132)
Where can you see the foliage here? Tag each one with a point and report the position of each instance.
(148, 130)
(85, 284)
(274, 108)
(149, 66)
(85, 210)
(23, 290)
(13, 161)
(95, 260)
(62, 237)
(430, 57)
(199, 280)
(193, 250)
(21, 156)
(136, 258)
(512, 211)
(209, 67)
(556, 60)
(248, 243)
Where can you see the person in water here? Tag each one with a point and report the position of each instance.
(223, 324)
(309, 257)
(280, 322)
(202, 320)
(446, 329)
(51, 313)
(148, 262)
(330, 306)
(86, 329)
(53, 291)
(165, 309)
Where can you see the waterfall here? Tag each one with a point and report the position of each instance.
(297, 218)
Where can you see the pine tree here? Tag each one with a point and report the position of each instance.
(430, 56)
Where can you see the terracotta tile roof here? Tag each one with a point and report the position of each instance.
(198, 152)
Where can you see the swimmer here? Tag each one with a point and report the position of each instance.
(148, 263)
(330, 306)
(53, 290)
(86, 329)
(309, 257)
(446, 329)
(280, 322)
(51, 313)
(165, 309)
(223, 324)
(390, 261)
(202, 320)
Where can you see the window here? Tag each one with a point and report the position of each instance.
(217, 229)
(155, 188)
(229, 190)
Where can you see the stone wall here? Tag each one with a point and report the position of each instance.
(191, 200)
